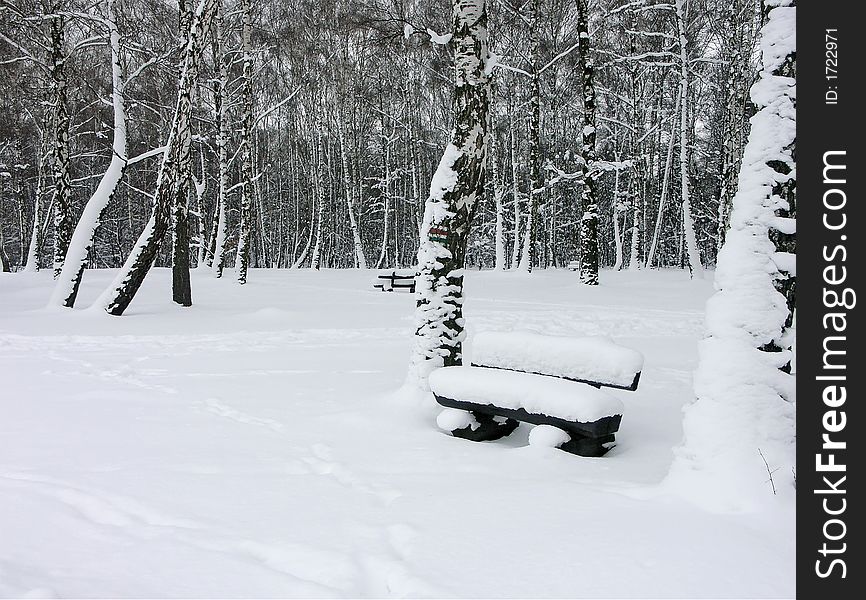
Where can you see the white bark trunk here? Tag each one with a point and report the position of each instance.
(69, 278)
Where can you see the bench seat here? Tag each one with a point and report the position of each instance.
(594, 360)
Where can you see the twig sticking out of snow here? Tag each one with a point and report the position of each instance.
(769, 472)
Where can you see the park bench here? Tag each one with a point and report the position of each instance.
(395, 279)
(573, 265)
(538, 379)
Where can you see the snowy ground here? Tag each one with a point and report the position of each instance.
(254, 446)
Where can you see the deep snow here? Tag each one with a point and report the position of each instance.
(257, 445)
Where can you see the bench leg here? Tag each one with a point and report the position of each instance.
(489, 428)
(585, 446)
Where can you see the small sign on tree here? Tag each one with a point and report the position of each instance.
(438, 234)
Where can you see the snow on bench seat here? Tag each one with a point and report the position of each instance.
(536, 394)
(596, 360)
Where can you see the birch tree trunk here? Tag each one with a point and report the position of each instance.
(243, 255)
(200, 186)
(222, 126)
(515, 190)
(536, 185)
(35, 246)
(688, 225)
(589, 220)
(69, 279)
(385, 189)
(617, 209)
(319, 187)
(499, 228)
(454, 192)
(360, 258)
(62, 185)
(181, 291)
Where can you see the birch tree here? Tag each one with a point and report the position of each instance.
(117, 297)
(246, 150)
(454, 192)
(688, 225)
(589, 219)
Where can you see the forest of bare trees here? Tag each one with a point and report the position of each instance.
(228, 133)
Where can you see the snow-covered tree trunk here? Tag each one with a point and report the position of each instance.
(221, 115)
(117, 297)
(589, 220)
(181, 291)
(246, 150)
(744, 412)
(62, 184)
(695, 266)
(360, 257)
(455, 190)
(66, 288)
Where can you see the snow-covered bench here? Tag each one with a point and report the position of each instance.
(395, 279)
(539, 379)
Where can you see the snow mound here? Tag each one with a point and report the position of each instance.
(536, 394)
(452, 418)
(548, 436)
(590, 358)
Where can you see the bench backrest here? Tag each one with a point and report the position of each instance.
(597, 361)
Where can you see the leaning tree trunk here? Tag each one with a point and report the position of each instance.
(243, 259)
(454, 192)
(66, 289)
(688, 224)
(665, 186)
(62, 184)
(117, 297)
(589, 220)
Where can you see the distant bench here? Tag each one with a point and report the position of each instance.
(538, 379)
(395, 279)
